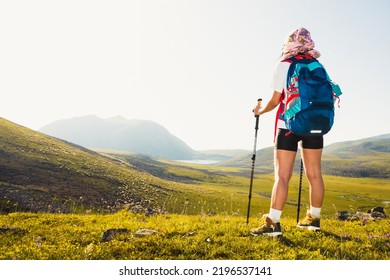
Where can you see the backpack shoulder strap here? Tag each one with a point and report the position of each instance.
(279, 113)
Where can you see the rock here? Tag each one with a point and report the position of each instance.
(14, 230)
(377, 209)
(372, 215)
(149, 211)
(137, 209)
(110, 234)
(378, 215)
(145, 232)
(192, 233)
(5, 229)
(343, 215)
(360, 216)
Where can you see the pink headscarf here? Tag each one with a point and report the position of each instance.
(299, 41)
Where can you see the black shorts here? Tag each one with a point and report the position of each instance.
(289, 141)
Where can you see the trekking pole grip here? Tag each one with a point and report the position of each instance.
(258, 104)
(257, 116)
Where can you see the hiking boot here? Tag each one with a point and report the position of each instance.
(269, 228)
(310, 223)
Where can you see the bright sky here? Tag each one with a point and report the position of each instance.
(196, 67)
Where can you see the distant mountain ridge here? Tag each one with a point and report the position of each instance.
(368, 157)
(370, 145)
(118, 133)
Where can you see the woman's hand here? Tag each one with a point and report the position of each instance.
(256, 110)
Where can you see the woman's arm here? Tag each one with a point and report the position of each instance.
(272, 103)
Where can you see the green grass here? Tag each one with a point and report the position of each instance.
(204, 207)
(185, 237)
(225, 190)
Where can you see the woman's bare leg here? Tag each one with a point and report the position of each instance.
(312, 163)
(284, 166)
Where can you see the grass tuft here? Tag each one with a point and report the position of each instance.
(184, 237)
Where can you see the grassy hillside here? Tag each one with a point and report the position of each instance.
(26, 236)
(361, 158)
(264, 160)
(225, 189)
(42, 173)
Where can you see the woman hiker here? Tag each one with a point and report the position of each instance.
(286, 146)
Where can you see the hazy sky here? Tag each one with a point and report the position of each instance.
(196, 67)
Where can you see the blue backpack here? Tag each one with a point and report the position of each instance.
(311, 96)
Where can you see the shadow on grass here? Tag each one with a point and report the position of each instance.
(284, 240)
(281, 239)
(335, 236)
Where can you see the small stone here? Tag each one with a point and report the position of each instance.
(145, 232)
(110, 234)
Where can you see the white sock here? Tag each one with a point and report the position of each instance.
(315, 212)
(274, 215)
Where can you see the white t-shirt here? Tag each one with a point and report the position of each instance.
(279, 85)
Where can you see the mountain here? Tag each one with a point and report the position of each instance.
(118, 133)
(368, 157)
(43, 173)
(366, 146)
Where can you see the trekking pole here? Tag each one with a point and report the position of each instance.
(253, 162)
(299, 191)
